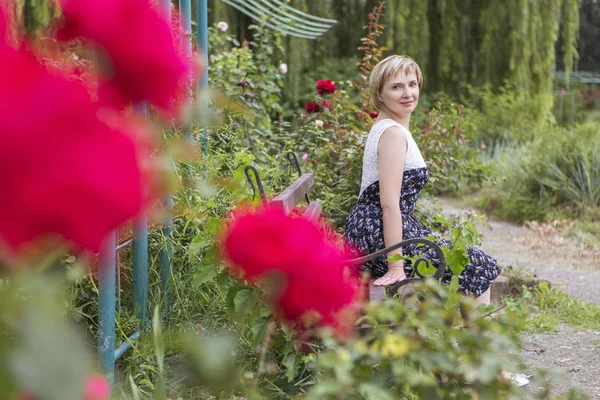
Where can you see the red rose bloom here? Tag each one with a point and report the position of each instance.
(326, 87)
(144, 62)
(264, 241)
(63, 171)
(312, 107)
(242, 84)
(325, 104)
(372, 114)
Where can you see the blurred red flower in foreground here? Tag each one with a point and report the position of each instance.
(142, 59)
(265, 241)
(63, 169)
(96, 387)
(326, 87)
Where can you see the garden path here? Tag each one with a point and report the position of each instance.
(545, 252)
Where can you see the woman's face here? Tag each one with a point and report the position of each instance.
(400, 94)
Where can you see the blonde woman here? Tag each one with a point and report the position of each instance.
(393, 175)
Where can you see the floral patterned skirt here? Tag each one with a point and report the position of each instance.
(364, 232)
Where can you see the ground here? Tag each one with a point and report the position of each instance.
(545, 252)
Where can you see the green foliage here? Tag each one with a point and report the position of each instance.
(504, 118)
(559, 305)
(42, 351)
(445, 141)
(553, 175)
(423, 354)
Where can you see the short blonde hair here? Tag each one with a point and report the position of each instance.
(388, 68)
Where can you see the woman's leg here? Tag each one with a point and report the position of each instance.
(485, 298)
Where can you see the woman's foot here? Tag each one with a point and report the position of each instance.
(391, 277)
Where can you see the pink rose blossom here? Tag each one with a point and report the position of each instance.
(223, 26)
(283, 68)
(304, 157)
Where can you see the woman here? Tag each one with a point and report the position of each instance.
(393, 175)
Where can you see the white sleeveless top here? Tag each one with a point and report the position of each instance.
(370, 170)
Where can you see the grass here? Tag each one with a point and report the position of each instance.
(550, 306)
(575, 312)
(554, 307)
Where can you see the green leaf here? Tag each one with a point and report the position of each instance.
(244, 301)
(259, 329)
(290, 362)
(159, 351)
(212, 225)
(199, 243)
(206, 272)
(426, 268)
(373, 392)
(453, 296)
(456, 258)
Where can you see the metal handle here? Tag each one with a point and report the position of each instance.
(259, 184)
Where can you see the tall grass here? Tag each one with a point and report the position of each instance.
(555, 174)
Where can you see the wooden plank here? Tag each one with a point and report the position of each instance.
(313, 211)
(376, 293)
(293, 193)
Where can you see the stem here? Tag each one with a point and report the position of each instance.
(263, 351)
(483, 316)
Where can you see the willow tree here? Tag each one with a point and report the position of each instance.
(456, 42)
(464, 41)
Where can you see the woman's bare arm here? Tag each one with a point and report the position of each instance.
(391, 152)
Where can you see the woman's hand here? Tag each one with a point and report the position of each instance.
(394, 274)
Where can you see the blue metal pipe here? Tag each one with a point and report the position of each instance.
(166, 275)
(185, 15)
(140, 253)
(202, 39)
(185, 18)
(140, 269)
(106, 306)
(122, 349)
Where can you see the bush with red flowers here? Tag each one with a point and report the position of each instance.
(326, 87)
(266, 241)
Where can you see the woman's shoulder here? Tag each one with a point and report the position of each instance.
(383, 124)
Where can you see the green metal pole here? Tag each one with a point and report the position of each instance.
(185, 18)
(106, 306)
(202, 38)
(166, 276)
(167, 229)
(140, 254)
(140, 268)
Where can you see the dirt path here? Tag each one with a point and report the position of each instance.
(546, 253)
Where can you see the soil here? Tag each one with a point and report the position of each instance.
(546, 253)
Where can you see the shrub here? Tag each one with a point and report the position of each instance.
(557, 174)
